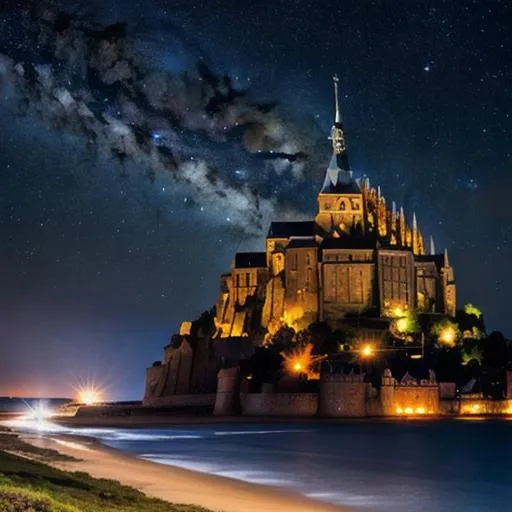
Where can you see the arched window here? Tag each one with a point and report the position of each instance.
(343, 205)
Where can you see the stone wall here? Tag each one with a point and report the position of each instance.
(228, 386)
(418, 399)
(180, 400)
(409, 396)
(280, 404)
(474, 406)
(343, 396)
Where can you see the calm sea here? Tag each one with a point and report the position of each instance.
(367, 465)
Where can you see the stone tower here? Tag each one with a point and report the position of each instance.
(340, 201)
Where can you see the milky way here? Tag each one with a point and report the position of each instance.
(143, 143)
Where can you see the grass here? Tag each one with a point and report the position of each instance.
(27, 485)
(10, 442)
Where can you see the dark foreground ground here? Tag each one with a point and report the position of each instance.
(27, 483)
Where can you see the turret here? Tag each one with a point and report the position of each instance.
(432, 246)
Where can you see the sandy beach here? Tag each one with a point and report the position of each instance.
(176, 485)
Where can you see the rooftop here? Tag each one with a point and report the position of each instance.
(250, 260)
(290, 229)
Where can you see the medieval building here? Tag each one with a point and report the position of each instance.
(357, 259)
(358, 256)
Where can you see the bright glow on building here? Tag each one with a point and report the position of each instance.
(448, 336)
(301, 361)
(397, 312)
(402, 324)
(409, 411)
(367, 351)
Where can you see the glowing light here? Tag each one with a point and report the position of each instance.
(399, 410)
(367, 351)
(397, 312)
(420, 410)
(301, 361)
(89, 396)
(476, 407)
(402, 324)
(408, 410)
(39, 414)
(448, 336)
(470, 309)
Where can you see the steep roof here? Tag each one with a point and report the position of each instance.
(250, 260)
(296, 243)
(289, 229)
(437, 259)
(348, 242)
(338, 177)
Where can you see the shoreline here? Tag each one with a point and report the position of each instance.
(173, 484)
(147, 422)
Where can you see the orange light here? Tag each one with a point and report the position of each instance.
(300, 360)
(367, 351)
(448, 336)
(408, 410)
(89, 396)
(399, 410)
(397, 312)
(420, 410)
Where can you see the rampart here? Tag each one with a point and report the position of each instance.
(280, 404)
(343, 396)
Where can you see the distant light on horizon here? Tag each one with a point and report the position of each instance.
(90, 396)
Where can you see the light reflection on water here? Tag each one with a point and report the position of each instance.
(367, 465)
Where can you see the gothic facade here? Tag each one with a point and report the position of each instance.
(358, 256)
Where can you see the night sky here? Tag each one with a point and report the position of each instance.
(136, 159)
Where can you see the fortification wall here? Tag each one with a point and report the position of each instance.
(156, 378)
(228, 386)
(343, 396)
(280, 404)
(479, 406)
(399, 399)
(179, 400)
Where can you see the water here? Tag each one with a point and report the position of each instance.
(366, 465)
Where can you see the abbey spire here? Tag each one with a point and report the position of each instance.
(338, 173)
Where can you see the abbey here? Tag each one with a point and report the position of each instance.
(357, 257)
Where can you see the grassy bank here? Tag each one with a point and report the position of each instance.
(32, 485)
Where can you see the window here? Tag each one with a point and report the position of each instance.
(247, 279)
(309, 278)
(308, 258)
(342, 205)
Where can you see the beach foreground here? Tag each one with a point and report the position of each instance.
(175, 485)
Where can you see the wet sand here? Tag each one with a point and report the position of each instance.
(176, 485)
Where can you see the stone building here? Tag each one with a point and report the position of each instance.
(357, 260)
(358, 256)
